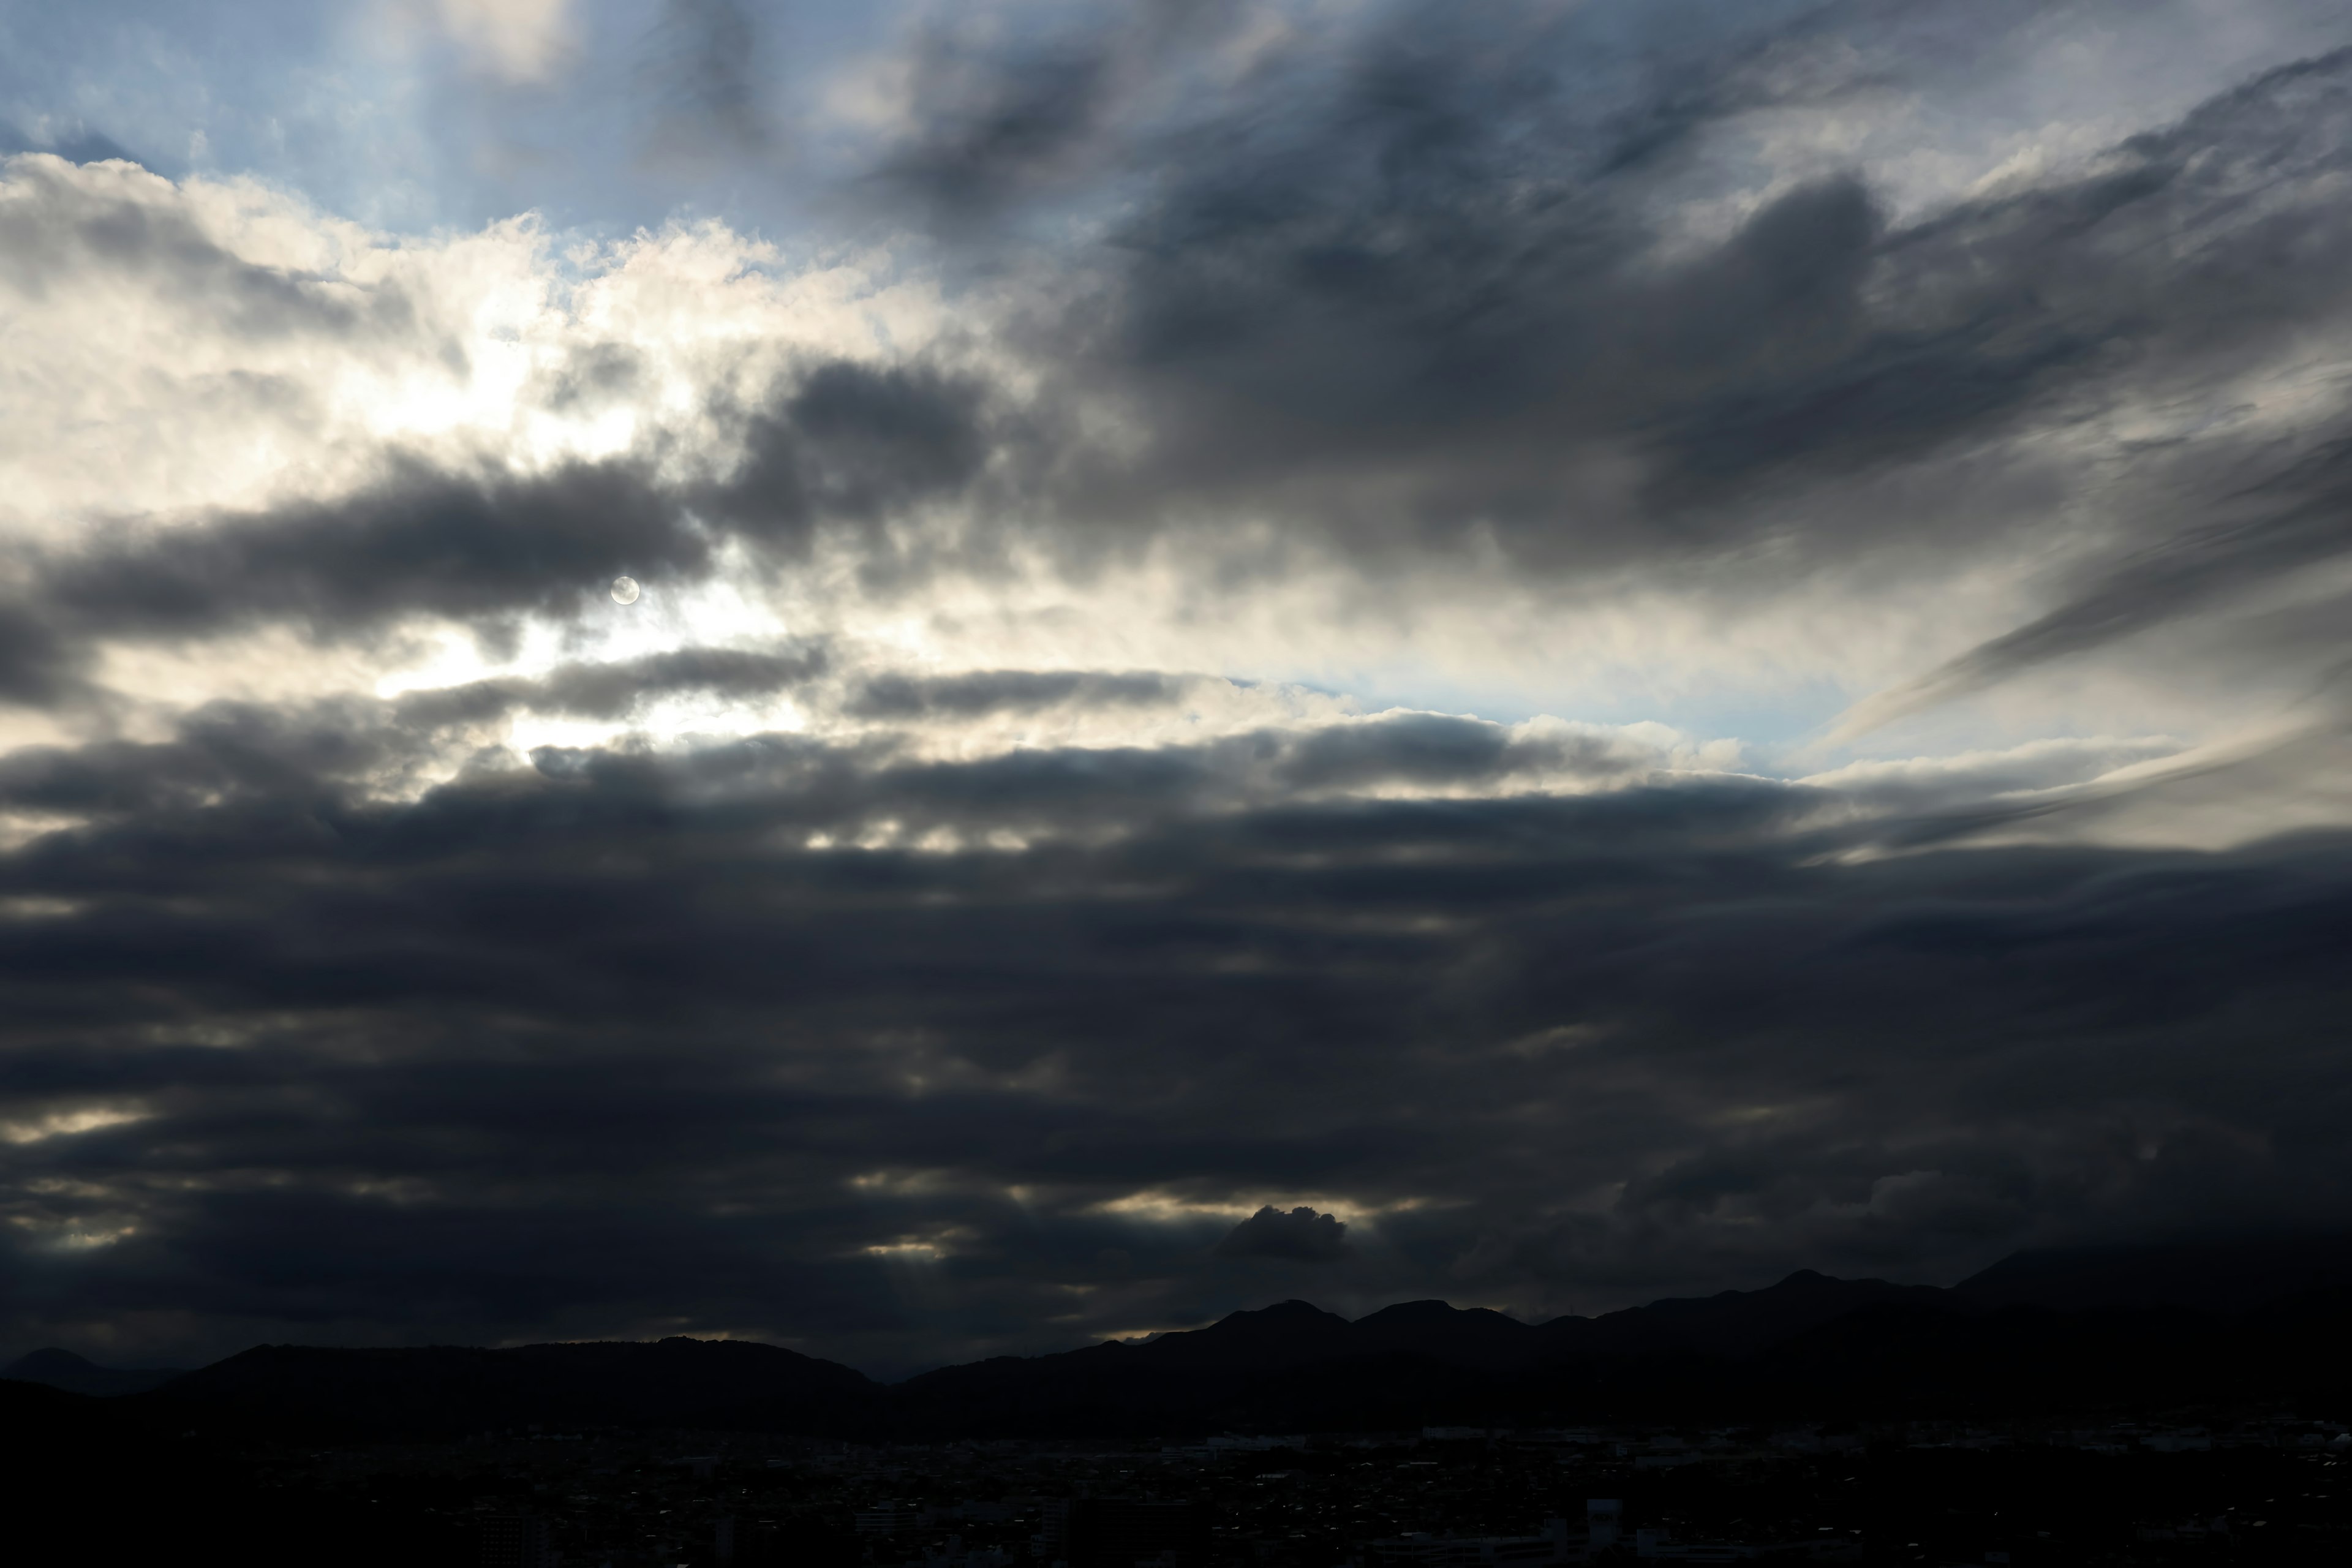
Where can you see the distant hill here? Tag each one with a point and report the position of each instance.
(450, 1389)
(63, 1369)
(1731, 1324)
(2205, 1277)
(2038, 1332)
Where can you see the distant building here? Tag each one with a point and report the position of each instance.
(2182, 1440)
(1229, 1443)
(1604, 1522)
(1418, 1549)
(1120, 1532)
(887, 1519)
(511, 1539)
(755, 1543)
(1657, 1545)
(1815, 1440)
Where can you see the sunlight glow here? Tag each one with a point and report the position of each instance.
(67, 1123)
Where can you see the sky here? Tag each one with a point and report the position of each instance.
(1537, 652)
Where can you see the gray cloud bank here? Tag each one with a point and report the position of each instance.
(1419, 302)
(604, 1043)
(1407, 297)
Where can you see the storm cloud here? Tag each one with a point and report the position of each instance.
(664, 1014)
(1301, 1236)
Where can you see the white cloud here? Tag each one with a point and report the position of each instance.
(176, 347)
(181, 351)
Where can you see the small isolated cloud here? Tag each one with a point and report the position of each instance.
(1302, 1236)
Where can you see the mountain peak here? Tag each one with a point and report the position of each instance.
(1282, 1332)
(1289, 1316)
(1432, 1309)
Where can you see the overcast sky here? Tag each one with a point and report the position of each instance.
(1594, 649)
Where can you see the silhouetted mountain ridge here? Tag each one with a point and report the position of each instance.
(55, 1368)
(2037, 1329)
(442, 1388)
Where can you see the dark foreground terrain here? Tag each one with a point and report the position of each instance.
(2261, 1488)
(2151, 1405)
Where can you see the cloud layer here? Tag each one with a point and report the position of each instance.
(1539, 657)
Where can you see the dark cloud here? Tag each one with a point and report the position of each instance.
(620, 1039)
(842, 446)
(36, 665)
(985, 693)
(612, 690)
(993, 130)
(2298, 521)
(1437, 749)
(59, 226)
(996, 122)
(424, 540)
(854, 445)
(1422, 298)
(238, 750)
(1302, 1236)
(1409, 295)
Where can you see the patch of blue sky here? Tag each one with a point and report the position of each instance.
(377, 111)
